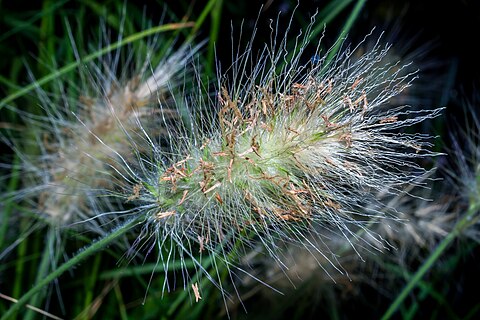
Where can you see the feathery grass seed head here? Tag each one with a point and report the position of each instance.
(294, 146)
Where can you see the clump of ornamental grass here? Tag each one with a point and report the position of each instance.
(297, 149)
